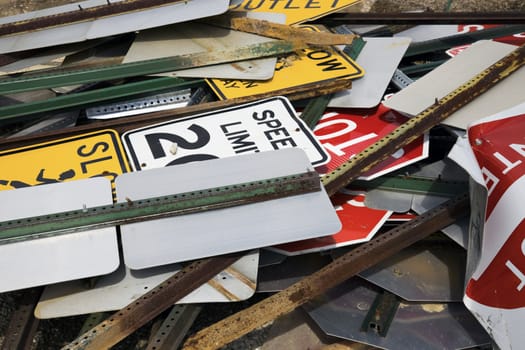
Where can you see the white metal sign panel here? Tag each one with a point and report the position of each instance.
(444, 79)
(118, 289)
(379, 58)
(190, 38)
(246, 129)
(106, 26)
(62, 258)
(216, 232)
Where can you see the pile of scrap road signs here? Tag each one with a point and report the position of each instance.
(158, 157)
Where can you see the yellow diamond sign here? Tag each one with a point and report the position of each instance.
(79, 157)
(300, 68)
(296, 11)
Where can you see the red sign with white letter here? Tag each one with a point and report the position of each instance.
(499, 147)
(360, 223)
(343, 135)
(496, 291)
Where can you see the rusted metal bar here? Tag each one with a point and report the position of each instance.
(346, 266)
(282, 31)
(427, 17)
(133, 122)
(81, 15)
(23, 325)
(418, 125)
(133, 316)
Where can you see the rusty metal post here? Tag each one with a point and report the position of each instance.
(346, 266)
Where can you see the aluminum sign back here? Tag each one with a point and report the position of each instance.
(216, 232)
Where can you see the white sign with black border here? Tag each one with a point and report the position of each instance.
(264, 125)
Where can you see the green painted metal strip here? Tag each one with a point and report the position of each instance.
(315, 109)
(88, 98)
(422, 68)
(158, 207)
(462, 39)
(57, 78)
(413, 185)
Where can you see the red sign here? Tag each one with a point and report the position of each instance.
(499, 147)
(360, 223)
(516, 39)
(343, 135)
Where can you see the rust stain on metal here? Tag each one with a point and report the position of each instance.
(285, 32)
(221, 289)
(346, 266)
(242, 278)
(136, 314)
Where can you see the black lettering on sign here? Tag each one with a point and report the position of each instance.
(104, 145)
(99, 146)
(329, 64)
(238, 138)
(203, 137)
(313, 4)
(191, 158)
(237, 84)
(275, 130)
(287, 4)
(231, 84)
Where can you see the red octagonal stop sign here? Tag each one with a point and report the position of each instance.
(345, 134)
(359, 224)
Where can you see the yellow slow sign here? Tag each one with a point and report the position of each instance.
(296, 11)
(300, 68)
(83, 156)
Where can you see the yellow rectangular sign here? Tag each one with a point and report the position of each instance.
(296, 11)
(83, 156)
(300, 68)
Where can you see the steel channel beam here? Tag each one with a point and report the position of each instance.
(344, 267)
(23, 325)
(130, 318)
(173, 329)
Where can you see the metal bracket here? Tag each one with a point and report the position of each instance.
(381, 314)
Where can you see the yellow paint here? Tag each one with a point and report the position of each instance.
(89, 155)
(433, 308)
(304, 67)
(296, 11)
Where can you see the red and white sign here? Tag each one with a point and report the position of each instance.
(516, 39)
(495, 292)
(360, 224)
(343, 135)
